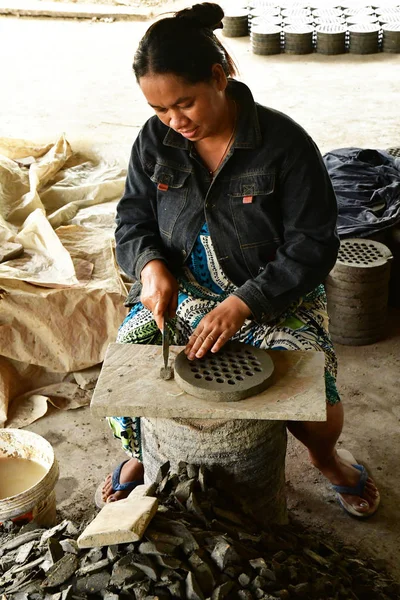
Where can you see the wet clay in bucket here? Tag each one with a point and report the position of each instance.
(28, 474)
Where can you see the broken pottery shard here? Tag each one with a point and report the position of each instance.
(156, 548)
(258, 563)
(168, 575)
(301, 590)
(92, 584)
(24, 551)
(202, 478)
(244, 579)
(125, 572)
(184, 489)
(168, 561)
(203, 573)
(163, 472)
(193, 506)
(93, 556)
(176, 590)
(159, 536)
(119, 522)
(228, 515)
(10, 250)
(316, 557)
(143, 563)
(193, 590)
(112, 553)
(177, 528)
(19, 540)
(140, 590)
(245, 536)
(110, 596)
(245, 595)
(267, 574)
(258, 582)
(27, 566)
(55, 549)
(224, 554)
(69, 545)
(93, 567)
(71, 529)
(49, 533)
(222, 591)
(61, 571)
(192, 471)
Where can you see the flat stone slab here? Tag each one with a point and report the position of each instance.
(130, 385)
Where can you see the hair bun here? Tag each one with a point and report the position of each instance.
(205, 15)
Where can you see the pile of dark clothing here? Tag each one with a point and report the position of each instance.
(367, 187)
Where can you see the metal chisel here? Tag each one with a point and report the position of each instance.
(166, 372)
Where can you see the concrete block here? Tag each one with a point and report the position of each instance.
(120, 522)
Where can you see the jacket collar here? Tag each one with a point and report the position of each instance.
(248, 134)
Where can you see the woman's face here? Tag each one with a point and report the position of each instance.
(196, 111)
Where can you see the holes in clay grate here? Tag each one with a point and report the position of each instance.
(229, 367)
(360, 253)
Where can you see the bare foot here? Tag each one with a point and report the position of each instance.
(131, 471)
(340, 472)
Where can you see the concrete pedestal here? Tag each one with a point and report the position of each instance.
(251, 453)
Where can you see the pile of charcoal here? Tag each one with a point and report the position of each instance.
(201, 544)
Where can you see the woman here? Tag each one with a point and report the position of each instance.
(228, 224)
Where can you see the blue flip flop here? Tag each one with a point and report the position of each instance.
(356, 490)
(117, 486)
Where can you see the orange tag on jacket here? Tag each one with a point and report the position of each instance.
(247, 199)
(162, 187)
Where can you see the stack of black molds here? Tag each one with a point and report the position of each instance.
(363, 38)
(357, 289)
(236, 23)
(265, 39)
(331, 39)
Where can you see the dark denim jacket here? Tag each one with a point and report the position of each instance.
(271, 210)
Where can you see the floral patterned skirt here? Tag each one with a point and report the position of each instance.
(202, 286)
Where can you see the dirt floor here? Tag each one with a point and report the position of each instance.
(76, 77)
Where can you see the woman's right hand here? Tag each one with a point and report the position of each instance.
(159, 291)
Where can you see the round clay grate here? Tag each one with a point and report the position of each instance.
(235, 372)
(363, 253)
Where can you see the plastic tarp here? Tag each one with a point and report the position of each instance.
(61, 301)
(367, 187)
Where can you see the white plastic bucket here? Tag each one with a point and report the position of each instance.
(37, 503)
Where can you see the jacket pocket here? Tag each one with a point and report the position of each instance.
(172, 191)
(255, 209)
(257, 219)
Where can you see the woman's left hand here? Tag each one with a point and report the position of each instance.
(216, 328)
